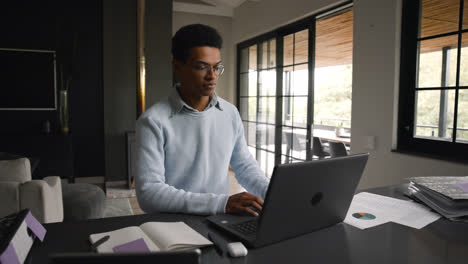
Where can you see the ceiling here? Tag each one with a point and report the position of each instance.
(195, 2)
(208, 7)
(334, 42)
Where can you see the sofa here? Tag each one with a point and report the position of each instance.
(18, 191)
(49, 199)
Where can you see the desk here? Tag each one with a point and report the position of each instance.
(440, 242)
(328, 135)
(331, 136)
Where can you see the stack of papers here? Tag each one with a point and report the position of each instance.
(446, 195)
(368, 210)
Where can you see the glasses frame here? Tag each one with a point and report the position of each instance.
(206, 69)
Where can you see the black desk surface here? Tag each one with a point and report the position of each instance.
(440, 242)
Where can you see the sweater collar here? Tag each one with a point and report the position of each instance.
(178, 104)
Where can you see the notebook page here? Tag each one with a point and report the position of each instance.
(174, 235)
(122, 236)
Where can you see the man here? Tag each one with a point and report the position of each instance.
(185, 143)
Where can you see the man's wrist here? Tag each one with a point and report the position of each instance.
(222, 204)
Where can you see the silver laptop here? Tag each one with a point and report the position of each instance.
(301, 198)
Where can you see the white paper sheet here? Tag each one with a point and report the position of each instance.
(387, 209)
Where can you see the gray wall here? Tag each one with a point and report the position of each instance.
(158, 34)
(226, 84)
(120, 79)
(375, 80)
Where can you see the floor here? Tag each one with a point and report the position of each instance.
(234, 188)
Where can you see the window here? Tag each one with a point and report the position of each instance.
(294, 83)
(434, 79)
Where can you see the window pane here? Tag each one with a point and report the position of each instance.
(248, 108)
(244, 108)
(287, 110)
(332, 95)
(464, 60)
(244, 57)
(252, 116)
(251, 135)
(462, 122)
(434, 114)
(268, 54)
(301, 46)
(288, 49)
(267, 83)
(244, 84)
(263, 109)
(287, 80)
(294, 143)
(300, 112)
(300, 80)
(253, 83)
(267, 110)
(430, 65)
(246, 129)
(286, 139)
(272, 54)
(271, 119)
(271, 82)
(267, 136)
(267, 162)
(253, 152)
(333, 72)
(264, 55)
(299, 143)
(253, 58)
(439, 16)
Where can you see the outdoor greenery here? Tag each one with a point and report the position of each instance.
(332, 98)
(428, 102)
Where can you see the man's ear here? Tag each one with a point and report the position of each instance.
(176, 65)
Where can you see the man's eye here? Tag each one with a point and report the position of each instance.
(201, 67)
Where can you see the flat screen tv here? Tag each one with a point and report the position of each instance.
(27, 79)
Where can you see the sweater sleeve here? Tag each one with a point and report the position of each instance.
(153, 194)
(246, 168)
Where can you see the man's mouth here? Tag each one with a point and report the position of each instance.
(210, 85)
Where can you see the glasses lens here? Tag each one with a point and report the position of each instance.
(219, 70)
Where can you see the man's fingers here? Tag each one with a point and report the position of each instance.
(244, 202)
(250, 211)
(256, 206)
(259, 200)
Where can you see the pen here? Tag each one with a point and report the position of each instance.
(216, 244)
(99, 242)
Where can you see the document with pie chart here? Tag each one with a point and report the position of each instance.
(369, 210)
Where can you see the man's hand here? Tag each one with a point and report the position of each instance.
(243, 202)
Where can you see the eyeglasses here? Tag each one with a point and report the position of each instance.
(206, 69)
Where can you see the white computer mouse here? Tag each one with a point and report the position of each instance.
(237, 249)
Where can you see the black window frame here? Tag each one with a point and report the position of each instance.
(307, 23)
(406, 142)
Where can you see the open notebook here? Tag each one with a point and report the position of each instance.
(151, 236)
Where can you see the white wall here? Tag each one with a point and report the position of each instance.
(375, 79)
(226, 87)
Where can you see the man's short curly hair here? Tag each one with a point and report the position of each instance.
(195, 35)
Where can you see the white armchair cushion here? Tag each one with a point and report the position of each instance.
(9, 198)
(18, 170)
(43, 198)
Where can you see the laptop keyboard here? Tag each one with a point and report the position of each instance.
(246, 228)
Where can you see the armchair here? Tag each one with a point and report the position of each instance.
(18, 191)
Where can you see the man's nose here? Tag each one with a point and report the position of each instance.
(210, 74)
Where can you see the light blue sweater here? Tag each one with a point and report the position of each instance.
(183, 156)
